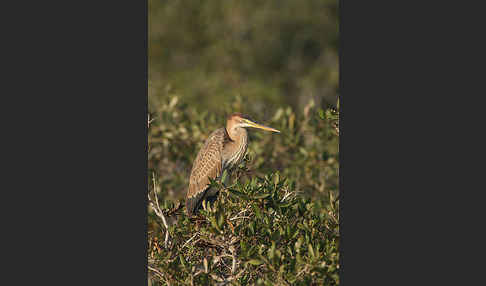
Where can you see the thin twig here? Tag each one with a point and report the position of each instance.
(287, 194)
(189, 240)
(156, 207)
(241, 212)
(149, 121)
(238, 217)
(233, 266)
(159, 274)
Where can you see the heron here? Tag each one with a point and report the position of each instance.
(224, 149)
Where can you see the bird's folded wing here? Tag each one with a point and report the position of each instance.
(208, 163)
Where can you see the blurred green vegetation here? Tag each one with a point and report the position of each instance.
(270, 53)
(276, 61)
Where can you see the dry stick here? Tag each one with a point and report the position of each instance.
(233, 266)
(287, 194)
(224, 263)
(239, 217)
(159, 213)
(188, 241)
(159, 274)
(149, 120)
(156, 206)
(241, 212)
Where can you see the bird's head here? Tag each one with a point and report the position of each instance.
(240, 120)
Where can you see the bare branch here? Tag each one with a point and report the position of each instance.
(159, 274)
(188, 241)
(239, 217)
(233, 266)
(158, 211)
(149, 120)
(241, 212)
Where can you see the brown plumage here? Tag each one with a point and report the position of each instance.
(224, 149)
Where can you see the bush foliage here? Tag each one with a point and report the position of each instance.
(275, 223)
(271, 52)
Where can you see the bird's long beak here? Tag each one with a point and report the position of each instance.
(259, 126)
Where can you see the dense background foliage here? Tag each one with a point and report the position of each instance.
(277, 220)
(272, 53)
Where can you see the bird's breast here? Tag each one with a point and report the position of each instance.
(236, 155)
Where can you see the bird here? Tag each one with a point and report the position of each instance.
(224, 149)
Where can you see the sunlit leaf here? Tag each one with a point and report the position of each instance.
(255, 262)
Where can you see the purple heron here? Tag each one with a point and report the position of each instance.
(224, 149)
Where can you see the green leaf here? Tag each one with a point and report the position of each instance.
(252, 250)
(311, 251)
(286, 204)
(214, 223)
(295, 233)
(262, 196)
(275, 236)
(297, 245)
(289, 250)
(251, 226)
(223, 177)
(220, 221)
(253, 183)
(213, 183)
(266, 220)
(277, 178)
(271, 251)
(255, 262)
(243, 246)
(303, 151)
(299, 258)
(182, 260)
(258, 213)
(238, 195)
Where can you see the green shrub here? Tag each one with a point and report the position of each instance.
(276, 223)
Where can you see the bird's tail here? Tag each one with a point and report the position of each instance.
(192, 203)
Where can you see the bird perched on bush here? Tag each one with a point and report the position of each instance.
(224, 149)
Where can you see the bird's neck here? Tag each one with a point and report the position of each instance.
(237, 134)
(235, 149)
